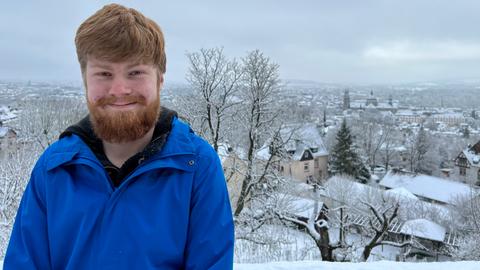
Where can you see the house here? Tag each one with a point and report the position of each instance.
(427, 239)
(8, 137)
(234, 166)
(467, 165)
(371, 103)
(305, 155)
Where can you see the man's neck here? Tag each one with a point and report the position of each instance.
(118, 153)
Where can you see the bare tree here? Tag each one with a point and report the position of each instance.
(379, 222)
(14, 174)
(315, 224)
(259, 114)
(418, 144)
(43, 119)
(215, 82)
(373, 134)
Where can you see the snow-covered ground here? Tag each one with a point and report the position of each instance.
(382, 265)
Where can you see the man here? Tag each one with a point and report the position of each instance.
(130, 186)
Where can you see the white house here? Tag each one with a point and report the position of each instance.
(467, 165)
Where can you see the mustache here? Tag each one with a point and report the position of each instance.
(126, 99)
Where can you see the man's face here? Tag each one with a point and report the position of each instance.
(123, 98)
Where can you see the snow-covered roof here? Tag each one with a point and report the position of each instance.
(223, 151)
(3, 131)
(307, 135)
(424, 228)
(302, 207)
(472, 157)
(407, 113)
(263, 153)
(301, 148)
(426, 186)
(347, 189)
(449, 115)
(6, 114)
(362, 103)
(401, 193)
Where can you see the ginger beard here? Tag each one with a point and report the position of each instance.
(116, 126)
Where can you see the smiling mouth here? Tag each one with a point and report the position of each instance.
(121, 105)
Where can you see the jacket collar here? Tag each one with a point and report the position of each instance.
(178, 143)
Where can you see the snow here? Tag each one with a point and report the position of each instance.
(425, 229)
(3, 131)
(380, 265)
(426, 186)
(263, 153)
(301, 148)
(6, 114)
(401, 193)
(307, 134)
(472, 158)
(301, 206)
(223, 152)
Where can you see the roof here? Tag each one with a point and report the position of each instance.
(6, 114)
(3, 131)
(426, 186)
(344, 189)
(263, 153)
(362, 103)
(298, 206)
(401, 193)
(473, 159)
(424, 228)
(301, 148)
(305, 134)
(472, 154)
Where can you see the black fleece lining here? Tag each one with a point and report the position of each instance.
(84, 130)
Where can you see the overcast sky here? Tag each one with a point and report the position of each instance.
(326, 41)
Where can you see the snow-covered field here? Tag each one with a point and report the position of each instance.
(381, 265)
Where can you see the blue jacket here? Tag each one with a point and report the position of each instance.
(171, 212)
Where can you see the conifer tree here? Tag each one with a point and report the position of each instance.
(344, 159)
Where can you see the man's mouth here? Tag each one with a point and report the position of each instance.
(122, 105)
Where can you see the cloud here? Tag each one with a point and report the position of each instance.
(423, 51)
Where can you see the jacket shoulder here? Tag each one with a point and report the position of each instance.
(199, 145)
(61, 152)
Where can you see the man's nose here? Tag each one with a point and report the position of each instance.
(120, 87)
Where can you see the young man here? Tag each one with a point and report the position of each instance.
(130, 186)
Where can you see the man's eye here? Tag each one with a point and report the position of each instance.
(136, 72)
(104, 74)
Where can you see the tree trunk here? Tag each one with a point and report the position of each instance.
(324, 245)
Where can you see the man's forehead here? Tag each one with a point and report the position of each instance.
(97, 62)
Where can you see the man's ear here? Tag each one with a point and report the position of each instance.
(160, 81)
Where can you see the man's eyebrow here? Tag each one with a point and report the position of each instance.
(98, 65)
(134, 65)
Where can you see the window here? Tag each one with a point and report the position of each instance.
(317, 163)
(478, 176)
(305, 166)
(463, 171)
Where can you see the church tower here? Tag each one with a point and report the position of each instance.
(346, 100)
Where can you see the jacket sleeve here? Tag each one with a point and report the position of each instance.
(28, 246)
(210, 239)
